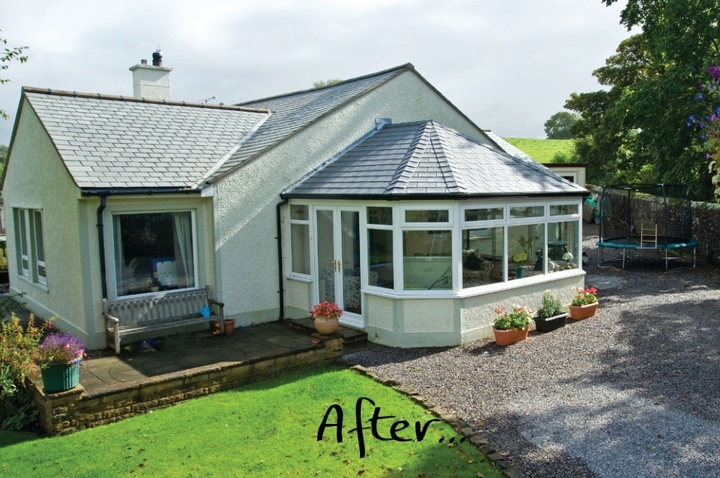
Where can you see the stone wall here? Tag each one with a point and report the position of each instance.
(67, 412)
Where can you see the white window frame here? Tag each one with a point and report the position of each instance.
(39, 247)
(109, 219)
(29, 235)
(309, 235)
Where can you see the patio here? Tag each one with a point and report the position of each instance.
(157, 374)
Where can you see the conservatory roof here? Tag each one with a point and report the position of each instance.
(426, 159)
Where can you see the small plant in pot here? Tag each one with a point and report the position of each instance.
(511, 326)
(584, 304)
(327, 317)
(550, 315)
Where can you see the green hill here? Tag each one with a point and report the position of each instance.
(546, 150)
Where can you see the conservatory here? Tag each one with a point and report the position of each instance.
(420, 251)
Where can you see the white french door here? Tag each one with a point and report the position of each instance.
(339, 279)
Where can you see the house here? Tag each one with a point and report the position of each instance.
(375, 192)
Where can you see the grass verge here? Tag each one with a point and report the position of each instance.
(266, 429)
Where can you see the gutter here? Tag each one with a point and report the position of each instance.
(281, 283)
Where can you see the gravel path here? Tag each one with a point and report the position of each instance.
(631, 392)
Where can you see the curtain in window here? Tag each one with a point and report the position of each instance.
(183, 248)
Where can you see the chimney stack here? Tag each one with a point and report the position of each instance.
(151, 81)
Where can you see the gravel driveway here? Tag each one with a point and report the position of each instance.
(631, 392)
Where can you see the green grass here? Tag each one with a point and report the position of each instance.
(267, 429)
(544, 150)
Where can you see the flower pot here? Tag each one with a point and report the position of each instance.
(58, 377)
(229, 326)
(510, 336)
(548, 324)
(326, 325)
(579, 312)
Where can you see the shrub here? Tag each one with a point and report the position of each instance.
(19, 356)
(550, 306)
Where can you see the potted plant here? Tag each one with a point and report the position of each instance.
(511, 326)
(327, 317)
(154, 283)
(60, 357)
(584, 304)
(550, 315)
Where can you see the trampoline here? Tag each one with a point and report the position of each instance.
(637, 218)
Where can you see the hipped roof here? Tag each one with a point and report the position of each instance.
(424, 160)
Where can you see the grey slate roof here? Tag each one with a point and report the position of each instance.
(425, 159)
(115, 142)
(293, 112)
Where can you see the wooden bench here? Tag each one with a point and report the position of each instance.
(146, 315)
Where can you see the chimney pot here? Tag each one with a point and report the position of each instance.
(143, 62)
(157, 58)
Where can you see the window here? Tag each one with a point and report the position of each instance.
(21, 236)
(39, 250)
(427, 260)
(153, 251)
(300, 239)
(30, 245)
(380, 247)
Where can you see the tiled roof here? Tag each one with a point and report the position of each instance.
(116, 142)
(293, 112)
(424, 159)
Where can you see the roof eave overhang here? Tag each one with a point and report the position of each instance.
(401, 197)
(137, 191)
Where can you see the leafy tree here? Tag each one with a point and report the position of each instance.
(559, 124)
(321, 83)
(635, 129)
(6, 56)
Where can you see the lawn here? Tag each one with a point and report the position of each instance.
(266, 429)
(544, 150)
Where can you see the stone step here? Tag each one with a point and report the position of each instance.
(350, 335)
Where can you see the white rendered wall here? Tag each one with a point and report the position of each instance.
(42, 182)
(246, 199)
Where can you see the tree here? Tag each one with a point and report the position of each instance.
(559, 124)
(636, 128)
(6, 56)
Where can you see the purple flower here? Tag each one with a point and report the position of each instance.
(698, 97)
(714, 71)
(61, 348)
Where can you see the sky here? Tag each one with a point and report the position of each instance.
(508, 65)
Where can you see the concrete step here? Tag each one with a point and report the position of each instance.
(307, 324)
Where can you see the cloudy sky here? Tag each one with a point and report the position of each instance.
(508, 65)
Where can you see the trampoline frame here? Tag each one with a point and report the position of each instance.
(631, 241)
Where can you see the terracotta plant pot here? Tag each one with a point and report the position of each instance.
(229, 326)
(510, 336)
(579, 312)
(549, 324)
(326, 325)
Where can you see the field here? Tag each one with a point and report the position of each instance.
(545, 150)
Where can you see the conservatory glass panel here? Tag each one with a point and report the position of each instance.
(427, 260)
